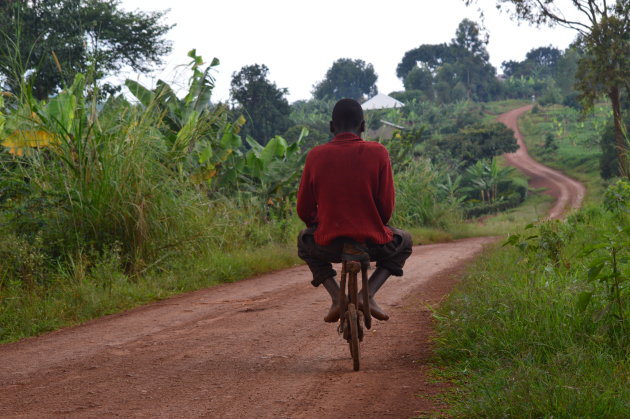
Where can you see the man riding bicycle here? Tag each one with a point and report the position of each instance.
(347, 192)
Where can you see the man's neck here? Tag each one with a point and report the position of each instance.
(336, 133)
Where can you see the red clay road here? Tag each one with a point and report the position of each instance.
(568, 192)
(253, 349)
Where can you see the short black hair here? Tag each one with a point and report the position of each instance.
(347, 115)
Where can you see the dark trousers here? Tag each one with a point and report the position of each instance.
(391, 256)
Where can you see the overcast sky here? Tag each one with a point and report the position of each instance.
(300, 40)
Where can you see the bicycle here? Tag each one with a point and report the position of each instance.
(354, 259)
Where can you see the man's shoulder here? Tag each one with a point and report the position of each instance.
(375, 145)
(318, 149)
(330, 147)
(361, 143)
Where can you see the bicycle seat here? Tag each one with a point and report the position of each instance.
(355, 251)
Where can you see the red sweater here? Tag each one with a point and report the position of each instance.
(347, 189)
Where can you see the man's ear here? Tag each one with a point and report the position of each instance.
(332, 127)
(362, 127)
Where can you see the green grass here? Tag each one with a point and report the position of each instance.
(578, 149)
(513, 340)
(428, 235)
(531, 210)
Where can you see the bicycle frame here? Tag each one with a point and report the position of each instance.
(354, 260)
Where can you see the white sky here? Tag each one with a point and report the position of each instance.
(300, 40)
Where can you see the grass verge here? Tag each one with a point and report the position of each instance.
(76, 293)
(516, 340)
(531, 210)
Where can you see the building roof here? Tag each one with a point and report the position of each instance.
(381, 101)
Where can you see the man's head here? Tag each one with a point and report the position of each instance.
(347, 116)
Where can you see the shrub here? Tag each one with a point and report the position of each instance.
(550, 142)
(617, 197)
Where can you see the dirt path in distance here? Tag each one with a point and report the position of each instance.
(253, 349)
(569, 193)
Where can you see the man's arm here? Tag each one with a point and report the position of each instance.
(306, 204)
(386, 196)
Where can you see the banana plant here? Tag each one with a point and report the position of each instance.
(221, 159)
(187, 121)
(271, 172)
(60, 123)
(451, 187)
(485, 177)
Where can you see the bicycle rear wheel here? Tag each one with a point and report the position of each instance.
(353, 342)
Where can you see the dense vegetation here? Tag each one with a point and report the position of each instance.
(96, 198)
(538, 326)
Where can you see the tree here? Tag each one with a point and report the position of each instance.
(59, 38)
(603, 70)
(347, 78)
(566, 70)
(468, 36)
(431, 57)
(546, 73)
(420, 79)
(477, 142)
(263, 103)
(545, 59)
(608, 163)
(460, 70)
(539, 62)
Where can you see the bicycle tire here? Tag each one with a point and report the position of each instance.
(354, 337)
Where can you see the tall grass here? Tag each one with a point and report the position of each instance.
(101, 182)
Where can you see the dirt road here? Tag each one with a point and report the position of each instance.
(568, 192)
(256, 348)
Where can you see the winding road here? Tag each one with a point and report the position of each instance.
(256, 348)
(568, 192)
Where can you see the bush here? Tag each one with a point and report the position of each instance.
(550, 142)
(617, 197)
(552, 95)
(571, 100)
(484, 208)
